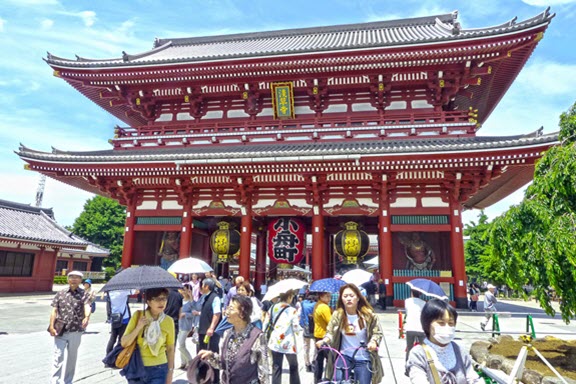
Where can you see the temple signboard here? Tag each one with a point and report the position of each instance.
(283, 100)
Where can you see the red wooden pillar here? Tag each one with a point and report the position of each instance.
(260, 275)
(317, 246)
(385, 245)
(457, 252)
(245, 244)
(129, 236)
(207, 251)
(186, 231)
(328, 257)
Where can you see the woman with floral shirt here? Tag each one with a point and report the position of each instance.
(244, 355)
(285, 338)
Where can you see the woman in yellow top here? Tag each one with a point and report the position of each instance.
(322, 314)
(154, 332)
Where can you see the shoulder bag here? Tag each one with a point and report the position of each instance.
(432, 365)
(59, 326)
(125, 354)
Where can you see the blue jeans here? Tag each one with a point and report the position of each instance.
(362, 370)
(156, 374)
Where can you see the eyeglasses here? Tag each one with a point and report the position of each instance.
(160, 298)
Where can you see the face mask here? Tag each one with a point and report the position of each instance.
(444, 334)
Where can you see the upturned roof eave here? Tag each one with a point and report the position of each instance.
(476, 34)
(415, 150)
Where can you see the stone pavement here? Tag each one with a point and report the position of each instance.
(26, 347)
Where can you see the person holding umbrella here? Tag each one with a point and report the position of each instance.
(413, 326)
(284, 338)
(154, 333)
(439, 359)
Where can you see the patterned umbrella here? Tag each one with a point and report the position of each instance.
(427, 287)
(190, 265)
(142, 278)
(327, 285)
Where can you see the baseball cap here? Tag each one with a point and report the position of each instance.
(75, 273)
(88, 281)
(490, 286)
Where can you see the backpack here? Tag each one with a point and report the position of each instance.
(271, 324)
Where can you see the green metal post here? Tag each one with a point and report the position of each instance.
(530, 326)
(495, 325)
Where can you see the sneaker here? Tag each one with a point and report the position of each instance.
(482, 326)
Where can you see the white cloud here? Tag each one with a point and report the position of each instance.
(2, 24)
(548, 3)
(542, 77)
(46, 24)
(88, 17)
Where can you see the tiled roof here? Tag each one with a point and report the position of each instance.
(391, 33)
(91, 249)
(26, 223)
(292, 150)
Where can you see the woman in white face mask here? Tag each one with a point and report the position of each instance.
(439, 360)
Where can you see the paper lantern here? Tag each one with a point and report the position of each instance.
(225, 242)
(286, 240)
(351, 243)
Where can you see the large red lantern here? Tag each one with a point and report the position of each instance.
(286, 240)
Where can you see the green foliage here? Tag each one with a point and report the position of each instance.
(102, 222)
(536, 240)
(476, 247)
(60, 279)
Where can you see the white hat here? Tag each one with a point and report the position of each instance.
(490, 286)
(76, 273)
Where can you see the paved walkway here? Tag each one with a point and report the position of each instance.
(26, 347)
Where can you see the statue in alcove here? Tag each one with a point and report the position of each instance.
(169, 249)
(419, 254)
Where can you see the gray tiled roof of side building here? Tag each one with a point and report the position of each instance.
(24, 222)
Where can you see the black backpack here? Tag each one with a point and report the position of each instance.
(272, 323)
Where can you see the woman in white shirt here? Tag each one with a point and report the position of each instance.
(285, 338)
(245, 289)
(413, 326)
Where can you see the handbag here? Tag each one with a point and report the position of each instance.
(433, 369)
(59, 326)
(125, 354)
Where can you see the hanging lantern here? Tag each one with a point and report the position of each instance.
(225, 242)
(286, 240)
(351, 243)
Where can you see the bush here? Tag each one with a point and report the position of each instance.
(60, 279)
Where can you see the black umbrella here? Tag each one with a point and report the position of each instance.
(142, 278)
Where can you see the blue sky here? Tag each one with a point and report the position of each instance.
(41, 111)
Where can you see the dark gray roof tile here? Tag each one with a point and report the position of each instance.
(23, 222)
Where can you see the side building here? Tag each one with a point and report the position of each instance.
(34, 247)
(273, 137)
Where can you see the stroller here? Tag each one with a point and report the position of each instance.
(347, 370)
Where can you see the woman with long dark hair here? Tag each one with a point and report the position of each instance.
(355, 331)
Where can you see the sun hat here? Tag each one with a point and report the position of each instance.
(490, 286)
(88, 281)
(75, 273)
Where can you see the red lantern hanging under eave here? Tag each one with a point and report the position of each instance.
(286, 240)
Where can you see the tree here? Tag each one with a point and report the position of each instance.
(535, 241)
(480, 265)
(102, 222)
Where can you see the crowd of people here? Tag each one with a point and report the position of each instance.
(237, 338)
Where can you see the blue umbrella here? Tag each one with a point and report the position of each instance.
(222, 326)
(427, 287)
(327, 285)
